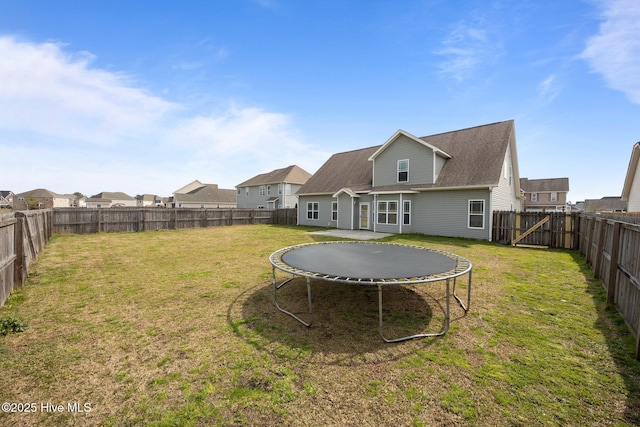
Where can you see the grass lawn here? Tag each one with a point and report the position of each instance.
(179, 328)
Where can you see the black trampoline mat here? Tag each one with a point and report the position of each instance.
(357, 260)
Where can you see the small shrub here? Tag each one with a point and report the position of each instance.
(11, 324)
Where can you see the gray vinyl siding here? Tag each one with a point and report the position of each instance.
(386, 228)
(345, 212)
(254, 199)
(421, 163)
(398, 227)
(324, 212)
(445, 213)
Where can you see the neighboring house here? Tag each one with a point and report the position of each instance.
(605, 204)
(6, 199)
(631, 189)
(108, 199)
(149, 200)
(40, 199)
(199, 195)
(446, 184)
(80, 202)
(272, 190)
(545, 195)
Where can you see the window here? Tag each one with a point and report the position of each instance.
(239, 190)
(406, 212)
(312, 210)
(287, 189)
(246, 191)
(262, 190)
(403, 170)
(334, 211)
(554, 197)
(534, 197)
(268, 190)
(476, 213)
(387, 212)
(280, 189)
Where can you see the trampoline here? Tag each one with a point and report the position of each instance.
(372, 264)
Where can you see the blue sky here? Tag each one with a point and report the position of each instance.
(147, 96)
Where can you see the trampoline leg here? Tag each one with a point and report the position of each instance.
(277, 286)
(464, 306)
(443, 331)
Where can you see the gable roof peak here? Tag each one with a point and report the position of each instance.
(395, 136)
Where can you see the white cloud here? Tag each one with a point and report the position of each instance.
(466, 47)
(548, 89)
(615, 51)
(70, 126)
(59, 95)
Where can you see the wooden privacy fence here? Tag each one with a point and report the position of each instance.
(611, 244)
(23, 235)
(612, 247)
(554, 230)
(82, 221)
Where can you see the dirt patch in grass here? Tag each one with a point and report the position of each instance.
(180, 328)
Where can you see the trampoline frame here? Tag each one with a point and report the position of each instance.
(463, 266)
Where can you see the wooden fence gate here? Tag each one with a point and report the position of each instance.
(553, 230)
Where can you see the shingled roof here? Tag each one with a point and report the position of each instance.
(544, 185)
(291, 174)
(476, 159)
(350, 169)
(208, 193)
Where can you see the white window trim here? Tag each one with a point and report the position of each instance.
(534, 197)
(262, 191)
(386, 212)
(311, 209)
(398, 170)
(334, 210)
(553, 196)
(404, 211)
(469, 214)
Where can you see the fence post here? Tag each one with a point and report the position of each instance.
(613, 264)
(19, 266)
(638, 340)
(597, 264)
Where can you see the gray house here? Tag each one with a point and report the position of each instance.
(272, 190)
(446, 184)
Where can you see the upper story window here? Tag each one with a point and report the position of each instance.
(262, 190)
(403, 170)
(534, 197)
(554, 197)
